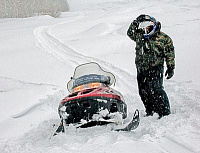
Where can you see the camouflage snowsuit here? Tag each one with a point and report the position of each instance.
(150, 56)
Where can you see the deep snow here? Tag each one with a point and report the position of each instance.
(38, 56)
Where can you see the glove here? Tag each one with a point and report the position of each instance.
(169, 72)
(136, 24)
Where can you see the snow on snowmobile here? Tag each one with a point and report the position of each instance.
(92, 101)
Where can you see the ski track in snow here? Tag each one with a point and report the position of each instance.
(58, 89)
(51, 101)
(72, 58)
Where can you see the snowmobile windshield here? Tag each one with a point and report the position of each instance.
(90, 73)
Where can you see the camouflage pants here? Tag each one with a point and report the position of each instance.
(151, 91)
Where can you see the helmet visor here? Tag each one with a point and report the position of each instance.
(147, 26)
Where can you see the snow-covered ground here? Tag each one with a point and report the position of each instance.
(38, 56)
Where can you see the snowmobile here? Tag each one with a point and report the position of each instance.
(92, 101)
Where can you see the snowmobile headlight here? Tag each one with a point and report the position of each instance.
(79, 88)
(87, 86)
(94, 85)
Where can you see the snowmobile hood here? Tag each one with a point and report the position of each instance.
(106, 92)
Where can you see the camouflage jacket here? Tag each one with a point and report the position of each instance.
(153, 51)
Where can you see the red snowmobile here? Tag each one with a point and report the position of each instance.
(92, 101)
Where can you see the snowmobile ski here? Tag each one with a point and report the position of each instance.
(133, 124)
(59, 128)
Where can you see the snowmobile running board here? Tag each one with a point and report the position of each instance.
(133, 124)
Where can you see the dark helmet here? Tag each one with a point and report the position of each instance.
(149, 24)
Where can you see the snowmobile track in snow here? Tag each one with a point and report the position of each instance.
(67, 55)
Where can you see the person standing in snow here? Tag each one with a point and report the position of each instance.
(153, 47)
